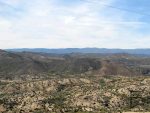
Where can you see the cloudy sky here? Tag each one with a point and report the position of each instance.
(74, 23)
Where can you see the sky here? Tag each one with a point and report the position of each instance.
(74, 24)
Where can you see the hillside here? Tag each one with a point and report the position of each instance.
(105, 94)
(12, 64)
(72, 83)
(16, 65)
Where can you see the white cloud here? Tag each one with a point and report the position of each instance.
(44, 23)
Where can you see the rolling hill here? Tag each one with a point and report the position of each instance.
(21, 64)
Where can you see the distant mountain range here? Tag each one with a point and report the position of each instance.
(83, 50)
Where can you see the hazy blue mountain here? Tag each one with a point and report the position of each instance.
(83, 50)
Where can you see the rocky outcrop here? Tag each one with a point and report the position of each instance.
(72, 94)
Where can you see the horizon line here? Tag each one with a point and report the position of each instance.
(77, 48)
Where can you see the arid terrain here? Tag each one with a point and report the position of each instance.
(73, 83)
(74, 56)
(93, 94)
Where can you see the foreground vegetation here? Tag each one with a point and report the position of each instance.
(86, 94)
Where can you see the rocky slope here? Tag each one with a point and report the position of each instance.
(74, 95)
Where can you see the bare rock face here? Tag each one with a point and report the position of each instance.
(124, 91)
(146, 81)
(2, 109)
(35, 106)
(85, 81)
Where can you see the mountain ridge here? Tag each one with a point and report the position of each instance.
(143, 51)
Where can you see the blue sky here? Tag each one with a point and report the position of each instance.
(74, 23)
